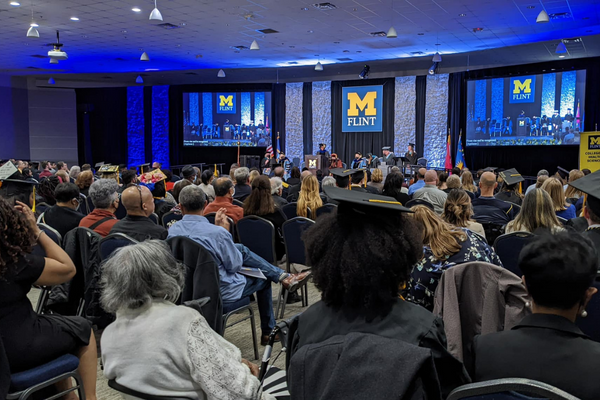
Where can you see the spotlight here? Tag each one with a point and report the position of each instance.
(15, 3)
(364, 74)
(221, 74)
(561, 48)
(433, 69)
(319, 66)
(254, 45)
(33, 33)
(139, 79)
(391, 33)
(542, 17)
(53, 60)
(51, 81)
(144, 57)
(155, 15)
(437, 58)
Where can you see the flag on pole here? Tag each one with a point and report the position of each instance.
(278, 144)
(578, 116)
(460, 154)
(267, 123)
(448, 164)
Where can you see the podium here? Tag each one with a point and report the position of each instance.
(316, 163)
(521, 126)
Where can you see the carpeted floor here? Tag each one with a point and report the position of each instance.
(239, 335)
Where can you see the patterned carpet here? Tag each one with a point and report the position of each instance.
(239, 335)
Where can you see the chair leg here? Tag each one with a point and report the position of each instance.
(285, 297)
(254, 338)
(279, 297)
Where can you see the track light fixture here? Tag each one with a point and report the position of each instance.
(155, 15)
(319, 66)
(391, 33)
(561, 48)
(221, 74)
(51, 81)
(254, 45)
(32, 32)
(437, 58)
(542, 17)
(139, 79)
(433, 69)
(364, 74)
(144, 57)
(53, 60)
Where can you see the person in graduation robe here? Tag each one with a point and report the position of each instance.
(323, 151)
(388, 155)
(359, 161)
(411, 154)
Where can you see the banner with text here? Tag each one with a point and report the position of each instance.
(226, 103)
(362, 109)
(589, 151)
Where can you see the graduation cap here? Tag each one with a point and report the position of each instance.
(141, 167)
(322, 145)
(18, 189)
(511, 176)
(388, 148)
(411, 144)
(490, 169)
(341, 172)
(563, 173)
(361, 202)
(98, 165)
(590, 185)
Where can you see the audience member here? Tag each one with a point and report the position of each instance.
(62, 166)
(128, 178)
(488, 209)
(63, 176)
(376, 180)
(510, 194)
(393, 187)
(260, 203)
(456, 171)
(458, 211)
(188, 172)
(31, 339)
(419, 183)
(74, 172)
(590, 184)
(86, 167)
(105, 197)
(453, 182)
(328, 181)
(358, 182)
(177, 188)
(169, 183)
(47, 188)
(253, 175)
(231, 257)
(156, 165)
(309, 198)
(444, 246)
(429, 192)
(279, 172)
(277, 192)
(63, 216)
(152, 338)
(354, 298)
(467, 183)
(294, 178)
(586, 171)
(442, 178)
(571, 193)
(207, 178)
(84, 181)
(547, 346)
(294, 190)
(537, 214)
(562, 208)
(232, 169)
(139, 203)
(224, 191)
(242, 187)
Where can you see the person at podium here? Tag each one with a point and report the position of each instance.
(411, 154)
(388, 155)
(323, 151)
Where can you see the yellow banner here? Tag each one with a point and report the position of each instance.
(589, 151)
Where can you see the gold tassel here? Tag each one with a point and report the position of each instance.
(33, 208)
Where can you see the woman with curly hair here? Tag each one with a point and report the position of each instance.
(30, 339)
(309, 197)
(361, 256)
(84, 181)
(458, 211)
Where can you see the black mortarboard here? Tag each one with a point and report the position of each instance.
(411, 144)
(563, 173)
(490, 169)
(188, 171)
(590, 185)
(511, 176)
(141, 167)
(341, 172)
(388, 148)
(322, 144)
(98, 165)
(19, 189)
(353, 201)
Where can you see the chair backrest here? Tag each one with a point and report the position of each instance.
(90, 204)
(258, 235)
(154, 218)
(293, 229)
(326, 209)
(590, 325)
(211, 218)
(509, 246)
(52, 233)
(170, 218)
(112, 242)
(290, 210)
(422, 162)
(41, 207)
(419, 202)
(509, 389)
(492, 231)
(201, 280)
(238, 203)
(139, 395)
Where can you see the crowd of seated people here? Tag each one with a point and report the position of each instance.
(406, 251)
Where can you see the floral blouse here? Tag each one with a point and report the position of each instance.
(426, 274)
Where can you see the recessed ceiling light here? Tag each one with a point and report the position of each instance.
(420, 34)
(561, 56)
(152, 69)
(15, 3)
(74, 19)
(462, 15)
(182, 24)
(531, 7)
(34, 25)
(310, 31)
(123, 31)
(136, 9)
(304, 9)
(336, 42)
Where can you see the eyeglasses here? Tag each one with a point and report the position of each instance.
(139, 188)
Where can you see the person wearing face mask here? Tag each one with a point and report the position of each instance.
(188, 172)
(224, 192)
(64, 215)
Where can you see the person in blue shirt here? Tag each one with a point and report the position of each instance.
(231, 257)
(419, 183)
(563, 209)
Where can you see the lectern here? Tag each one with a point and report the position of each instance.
(316, 163)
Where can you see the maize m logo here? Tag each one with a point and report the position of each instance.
(225, 103)
(522, 89)
(594, 142)
(362, 109)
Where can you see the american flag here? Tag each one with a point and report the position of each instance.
(270, 149)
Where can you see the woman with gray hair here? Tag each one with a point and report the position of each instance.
(159, 348)
(105, 197)
(74, 172)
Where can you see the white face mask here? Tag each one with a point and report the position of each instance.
(233, 194)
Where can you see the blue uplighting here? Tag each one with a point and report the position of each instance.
(567, 92)
(497, 99)
(246, 111)
(259, 107)
(160, 125)
(135, 126)
(194, 109)
(480, 99)
(548, 94)
(207, 109)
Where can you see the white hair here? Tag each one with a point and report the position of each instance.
(276, 184)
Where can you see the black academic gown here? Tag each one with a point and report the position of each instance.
(412, 159)
(593, 234)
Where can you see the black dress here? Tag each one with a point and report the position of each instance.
(30, 339)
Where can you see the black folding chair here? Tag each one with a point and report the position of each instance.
(154, 218)
(211, 218)
(51, 233)
(83, 206)
(40, 208)
(509, 389)
(326, 209)
(90, 204)
(590, 325)
(290, 210)
(171, 218)
(39, 251)
(258, 235)
(509, 246)
(112, 242)
(492, 231)
(293, 230)
(419, 202)
(238, 203)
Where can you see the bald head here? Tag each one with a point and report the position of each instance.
(278, 172)
(304, 175)
(421, 173)
(487, 184)
(431, 177)
(138, 203)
